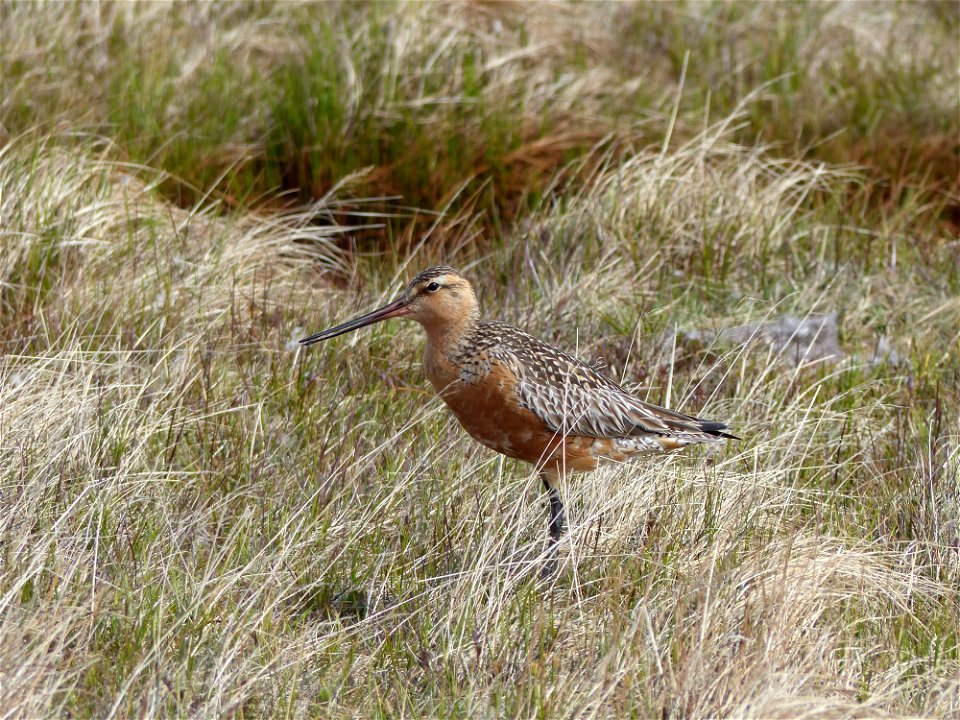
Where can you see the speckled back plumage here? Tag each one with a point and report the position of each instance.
(570, 397)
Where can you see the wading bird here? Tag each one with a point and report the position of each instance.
(524, 398)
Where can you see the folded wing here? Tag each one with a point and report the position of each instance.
(574, 399)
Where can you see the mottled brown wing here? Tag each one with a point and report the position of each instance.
(574, 399)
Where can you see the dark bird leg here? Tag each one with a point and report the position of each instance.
(555, 525)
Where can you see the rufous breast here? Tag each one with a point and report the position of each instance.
(483, 396)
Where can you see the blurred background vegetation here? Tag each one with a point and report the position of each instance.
(270, 105)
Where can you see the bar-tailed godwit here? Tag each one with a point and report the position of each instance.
(524, 398)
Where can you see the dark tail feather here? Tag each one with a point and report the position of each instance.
(716, 429)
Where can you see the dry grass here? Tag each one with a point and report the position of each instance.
(248, 99)
(200, 520)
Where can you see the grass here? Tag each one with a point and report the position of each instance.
(265, 104)
(202, 520)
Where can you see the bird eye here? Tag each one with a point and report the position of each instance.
(433, 287)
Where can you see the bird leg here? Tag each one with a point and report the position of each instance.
(555, 526)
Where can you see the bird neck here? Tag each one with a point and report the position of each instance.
(451, 332)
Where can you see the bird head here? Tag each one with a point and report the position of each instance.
(439, 298)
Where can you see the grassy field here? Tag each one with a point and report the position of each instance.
(200, 519)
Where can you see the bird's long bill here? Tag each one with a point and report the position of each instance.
(398, 308)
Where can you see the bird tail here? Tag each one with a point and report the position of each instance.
(716, 429)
